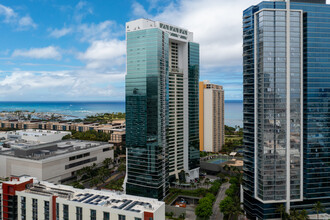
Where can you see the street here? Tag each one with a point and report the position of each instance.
(221, 195)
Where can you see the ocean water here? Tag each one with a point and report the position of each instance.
(233, 109)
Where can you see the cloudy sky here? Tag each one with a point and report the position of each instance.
(53, 50)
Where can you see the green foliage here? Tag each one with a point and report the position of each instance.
(203, 154)
(231, 191)
(91, 135)
(215, 187)
(182, 176)
(204, 207)
(234, 180)
(116, 184)
(78, 185)
(66, 137)
(229, 130)
(318, 207)
(104, 118)
(122, 167)
(210, 196)
(230, 206)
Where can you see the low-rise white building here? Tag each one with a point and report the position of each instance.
(43, 200)
(36, 135)
(55, 162)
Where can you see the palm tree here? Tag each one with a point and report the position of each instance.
(207, 182)
(226, 167)
(303, 215)
(318, 207)
(281, 210)
(103, 173)
(107, 162)
(294, 214)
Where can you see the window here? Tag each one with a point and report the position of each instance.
(93, 214)
(23, 208)
(106, 216)
(121, 217)
(137, 218)
(46, 210)
(57, 211)
(65, 212)
(106, 149)
(34, 209)
(79, 213)
(71, 165)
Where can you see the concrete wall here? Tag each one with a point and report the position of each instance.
(51, 169)
(208, 120)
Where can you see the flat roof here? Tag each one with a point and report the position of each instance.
(34, 132)
(110, 199)
(36, 151)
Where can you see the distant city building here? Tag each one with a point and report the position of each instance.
(286, 82)
(118, 138)
(62, 126)
(162, 135)
(211, 117)
(55, 162)
(29, 198)
(36, 135)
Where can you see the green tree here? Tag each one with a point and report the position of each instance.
(318, 207)
(303, 215)
(122, 167)
(94, 181)
(294, 214)
(107, 162)
(103, 173)
(281, 209)
(204, 208)
(207, 182)
(230, 207)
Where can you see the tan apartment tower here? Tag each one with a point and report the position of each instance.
(211, 117)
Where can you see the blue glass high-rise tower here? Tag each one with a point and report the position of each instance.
(286, 71)
(162, 131)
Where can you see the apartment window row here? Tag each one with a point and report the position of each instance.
(79, 156)
(34, 209)
(71, 165)
(106, 149)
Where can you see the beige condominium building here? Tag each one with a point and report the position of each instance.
(211, 117)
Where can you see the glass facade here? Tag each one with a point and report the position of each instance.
(162, 107)
(193, 100)
(266, 97)
(147, 113)
(272, 112)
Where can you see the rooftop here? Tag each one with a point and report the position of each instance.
(36, 132)
(114, 200)
(36, 151)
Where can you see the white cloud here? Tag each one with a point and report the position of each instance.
(82, 9)
(26, 22)
(11, 17)
(217, 26)
(8, 13)
(58, 33)
(39, 53)
(139, 11)
(106, 54)
(101, 31)
(59, 85)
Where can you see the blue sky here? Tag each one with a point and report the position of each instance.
(54, 50)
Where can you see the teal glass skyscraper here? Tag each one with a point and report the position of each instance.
(286, 77)
(161, 107)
